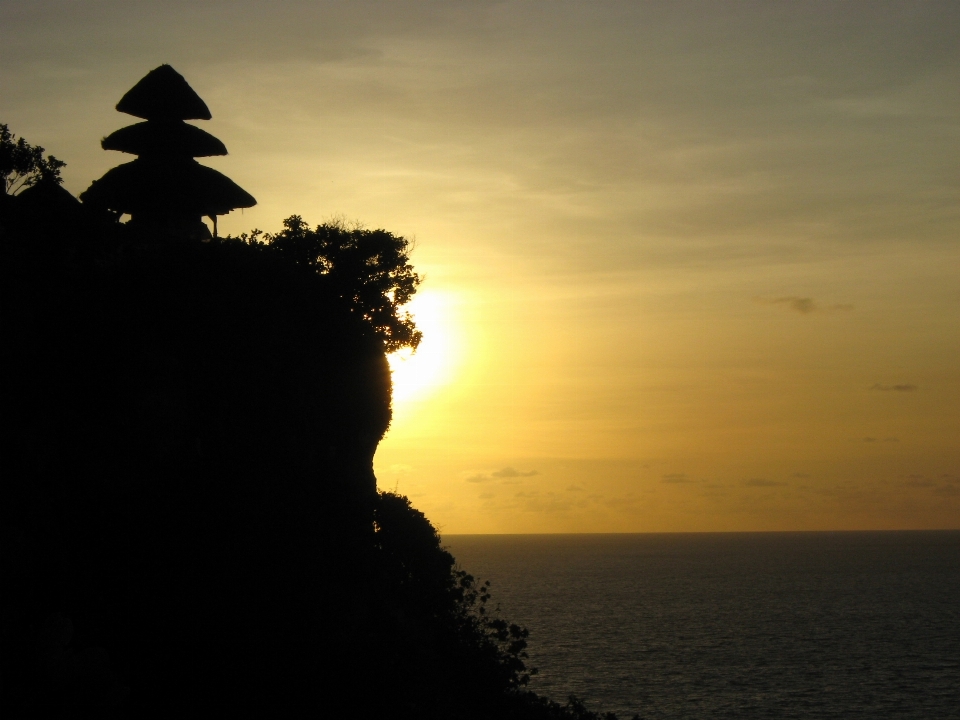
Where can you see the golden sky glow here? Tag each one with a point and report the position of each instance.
(689, 266)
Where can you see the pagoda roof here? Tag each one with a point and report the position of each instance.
(163, 94)
(48, 199)
(181, 186)
(168, 138)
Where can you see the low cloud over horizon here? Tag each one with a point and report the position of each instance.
(509, 472)
(803, 305)
(906, 387)
(763, 482)
(507, 475)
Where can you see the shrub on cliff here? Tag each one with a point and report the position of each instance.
(369, 269)
(23, 165)
(442, 652)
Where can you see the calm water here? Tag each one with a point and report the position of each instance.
(759, 625)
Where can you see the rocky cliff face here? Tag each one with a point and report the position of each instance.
(189, 431)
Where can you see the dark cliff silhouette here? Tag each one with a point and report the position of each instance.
(189, 517)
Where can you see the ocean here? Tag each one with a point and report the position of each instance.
(735, 625)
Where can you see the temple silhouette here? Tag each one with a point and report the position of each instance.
(166, 191)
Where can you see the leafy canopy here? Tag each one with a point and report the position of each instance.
(369, 269)
(23, 164)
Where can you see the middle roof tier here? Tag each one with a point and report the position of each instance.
(159, 138)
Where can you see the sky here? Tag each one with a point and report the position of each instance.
(688, 266)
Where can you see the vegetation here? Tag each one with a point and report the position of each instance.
(369, 269)
(189, 517)
(23, 165)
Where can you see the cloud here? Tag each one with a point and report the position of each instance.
(801, 475)
(509, 472)
(626, 502)
(486, 495)
(763, 482)
(906, 387)
(547, 505)
(675, 478)
(507, 475)
(945, 485)
(803, 305)
(574, 488)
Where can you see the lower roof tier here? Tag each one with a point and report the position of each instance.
(154, 185)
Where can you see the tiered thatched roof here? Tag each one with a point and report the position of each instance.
(165, 186)
(149, 186)
(163, 94)
(159, 137)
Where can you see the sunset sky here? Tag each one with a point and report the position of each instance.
(688, 265)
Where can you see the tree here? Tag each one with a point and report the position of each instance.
(23, 164)
(369, 269)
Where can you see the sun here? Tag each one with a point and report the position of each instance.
(417, 375)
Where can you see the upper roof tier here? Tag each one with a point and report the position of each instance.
(171, 137)
(163, 94)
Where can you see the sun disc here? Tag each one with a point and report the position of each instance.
(416, 375)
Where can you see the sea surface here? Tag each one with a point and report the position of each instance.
(735, 625)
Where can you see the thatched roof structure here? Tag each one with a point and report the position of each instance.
(153, 187)
(165, 189)
(48, 194)
(48, 202)
(157, 137)
(163, 94)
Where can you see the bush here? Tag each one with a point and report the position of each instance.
(369, 269)
(23, 165)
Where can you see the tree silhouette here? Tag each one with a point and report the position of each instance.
(369, 269)
(23, 165)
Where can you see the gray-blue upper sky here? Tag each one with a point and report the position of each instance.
(696, 120)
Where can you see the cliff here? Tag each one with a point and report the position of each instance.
(190, 522)
(189, 431)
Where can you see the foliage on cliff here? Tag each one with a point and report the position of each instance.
(369, 269)
(23, 165)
